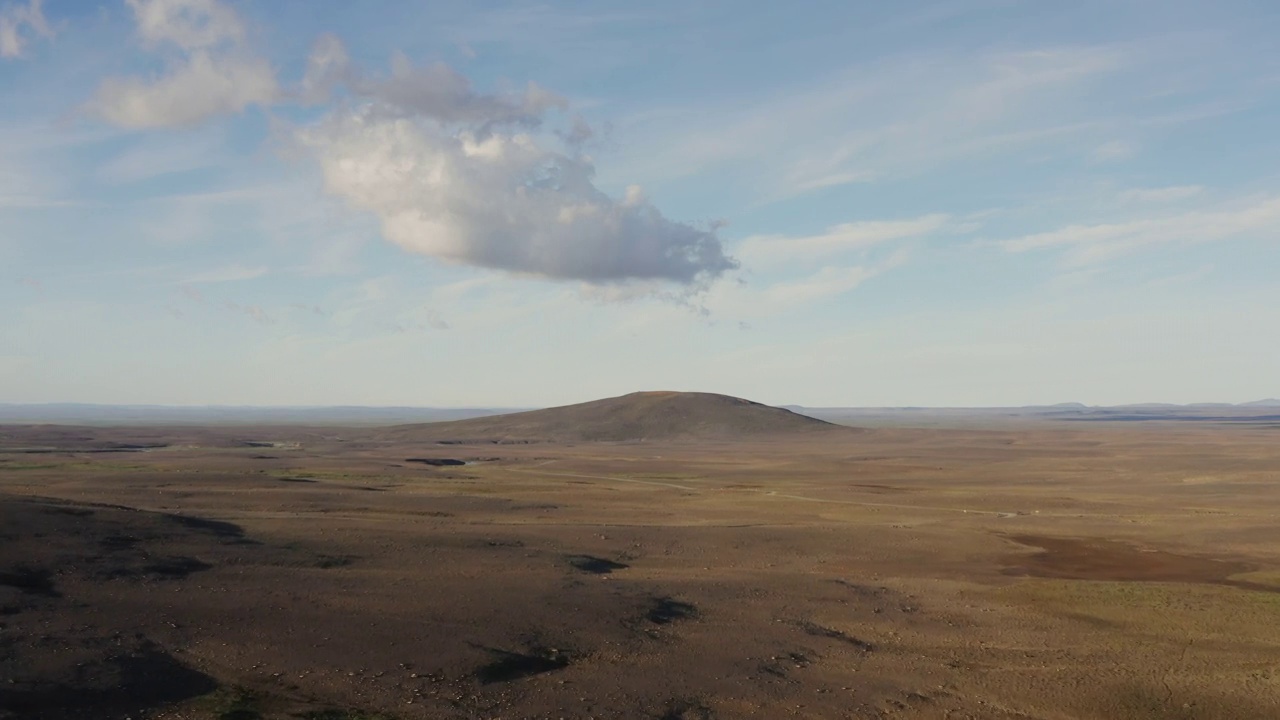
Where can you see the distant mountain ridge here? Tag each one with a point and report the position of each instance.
(381, 416)
(91, 414)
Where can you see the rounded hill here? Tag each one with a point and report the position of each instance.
(634, 417)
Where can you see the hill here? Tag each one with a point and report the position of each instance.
(638, 416)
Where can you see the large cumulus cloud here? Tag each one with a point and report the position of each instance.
(467, 177)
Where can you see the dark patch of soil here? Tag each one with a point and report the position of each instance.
(437, 462)
(508, 666)
(1099, 559)
(218, 528)
(331, 714)
(665, 611)
(119, 542)
(881, 598)
(296, 480)
(684, 709)
(29, 579)
(343, 715)
(333, 561)
(112, 684)
(175, 567)
(70, 652)
(79, 512)
(595, 565)
(812, 628)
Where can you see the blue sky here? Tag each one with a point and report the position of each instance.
(957, 202)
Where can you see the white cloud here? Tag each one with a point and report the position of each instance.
(230, 273)
(803, 183)
(1161, 194)
(1089, 244)
(327, 66)
(439, 92)
(196, 90)
(461, 176)
(827, 282)
(837, 239)
(189, 24)
(215, 75)
(18, 24)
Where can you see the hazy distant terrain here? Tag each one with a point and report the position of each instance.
(86, 414)
(89, 414)
(1262, 411)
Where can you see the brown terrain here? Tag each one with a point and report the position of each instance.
(659, 556)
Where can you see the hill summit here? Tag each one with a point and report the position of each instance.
(637, 416)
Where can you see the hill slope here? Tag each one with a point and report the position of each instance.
(638, 416)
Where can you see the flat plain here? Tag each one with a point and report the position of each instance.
(1035, 569)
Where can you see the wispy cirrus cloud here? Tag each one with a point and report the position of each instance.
(156, 156)
(859, 125)
(1082, 245)
(1172, 193)
(827, 282)
(229, 273)
(861, 235)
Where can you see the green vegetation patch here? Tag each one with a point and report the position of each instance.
(29, 466)
(1162, 609)
(1269, 578)
(234, 703)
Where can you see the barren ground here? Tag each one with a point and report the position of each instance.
(1046, 571)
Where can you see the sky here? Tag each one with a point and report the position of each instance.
(457, 203)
